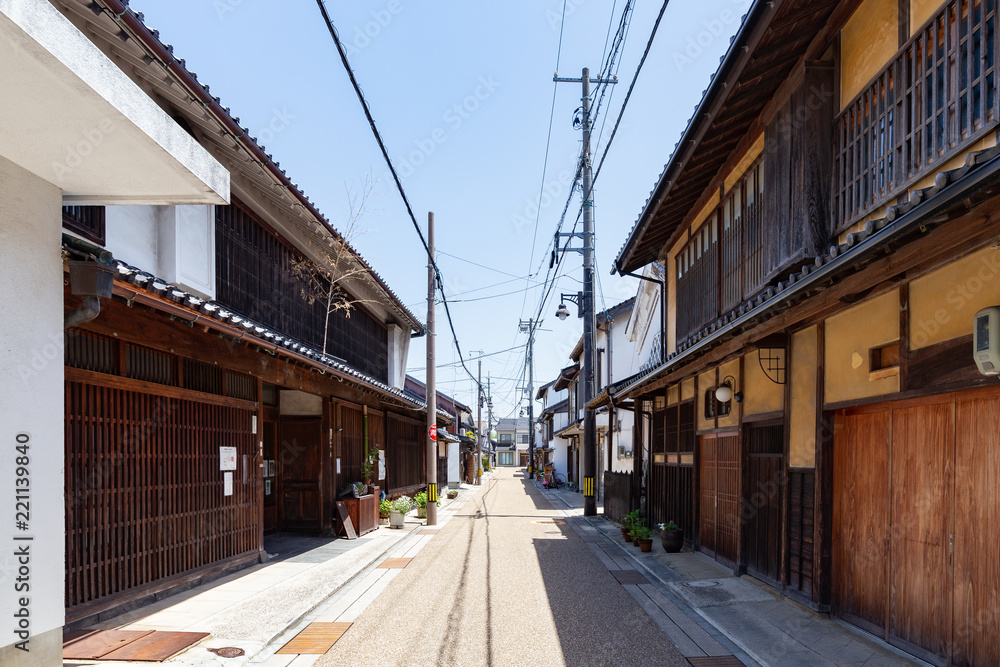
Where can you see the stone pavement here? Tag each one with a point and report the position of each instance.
(256, 607)
(765, 628)
(506, 581)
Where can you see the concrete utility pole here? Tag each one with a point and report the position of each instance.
(479, 424)
(587, 307)
(432, 491)
(529, 327)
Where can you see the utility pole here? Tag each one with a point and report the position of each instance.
(587, 307)
(479, 424)
(432, 491)
(529, 327)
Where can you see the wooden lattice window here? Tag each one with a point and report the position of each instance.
(698, 279)
(256, 279)
(87, 221)
(936, 97)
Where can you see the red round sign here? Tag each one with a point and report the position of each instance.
(433, 432)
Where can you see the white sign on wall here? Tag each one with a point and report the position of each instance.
(227, 483)
(227, 458)
(381, 463)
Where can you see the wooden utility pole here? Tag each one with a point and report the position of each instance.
(586, 302)
(479, 426)
(432, 456)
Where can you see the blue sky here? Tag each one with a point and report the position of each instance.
(462, 93)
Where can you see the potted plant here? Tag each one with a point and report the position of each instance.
(420, 500)
(384, 507)
(628, 521)
(672, 537)
(452, 494)
(400, 506)
(368, 465)
(638, 524)
(643, 539)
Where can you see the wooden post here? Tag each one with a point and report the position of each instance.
(432, 455)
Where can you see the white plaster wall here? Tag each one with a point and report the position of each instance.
(31, 402)
(623, 437)
(454, 471)
(398, 347)
(187, 248)
(175, 243)
(131, 234)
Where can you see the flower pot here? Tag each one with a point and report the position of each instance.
(672, 540)
(626, 536)
(646, 545)
(395, 519)
(383, 520)
(635, 542)
(421, 512)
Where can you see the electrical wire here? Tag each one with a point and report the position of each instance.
(395, 177)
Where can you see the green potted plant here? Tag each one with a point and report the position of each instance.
(672, 537)
(452, 494)
(643, 538)
(628, 521)
(400, 506)
(384, 507)
(420, 500)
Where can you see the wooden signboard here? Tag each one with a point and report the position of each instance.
(345, 521)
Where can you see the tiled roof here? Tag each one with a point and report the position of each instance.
(212, 104)
(202, 308)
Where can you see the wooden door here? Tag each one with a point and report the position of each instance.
(920, 519)
(707, 506)
(861, 517)
(976, 624)
(300, 474)
(727, 461)
(762, 500)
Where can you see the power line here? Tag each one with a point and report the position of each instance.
(545, 161)
(395, 177)
(631, 86)
(482, 266)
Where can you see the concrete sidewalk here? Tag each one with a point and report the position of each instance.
(258, 608)
(766, 628)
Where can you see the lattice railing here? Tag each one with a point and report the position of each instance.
(937, 96)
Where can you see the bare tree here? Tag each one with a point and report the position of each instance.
(325, 277)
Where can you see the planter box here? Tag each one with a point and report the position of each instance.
(395, 519)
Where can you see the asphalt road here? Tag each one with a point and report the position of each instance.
(503, 585)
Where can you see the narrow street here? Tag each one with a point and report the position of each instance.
(507, 581)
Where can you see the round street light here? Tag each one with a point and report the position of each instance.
(562, 312)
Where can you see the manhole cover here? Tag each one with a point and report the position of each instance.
(555, 521)
(227, 652)
(701, 584)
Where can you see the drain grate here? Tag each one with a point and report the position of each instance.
(557, 522)
(227, 652)
(702, 584)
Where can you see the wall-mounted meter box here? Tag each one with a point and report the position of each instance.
(986, 340)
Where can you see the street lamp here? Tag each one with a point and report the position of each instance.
(563, 312)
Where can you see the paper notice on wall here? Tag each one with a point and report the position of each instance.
(227, 483)
(227, 458)
(381, 464)
(338, 466)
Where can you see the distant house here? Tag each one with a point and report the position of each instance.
(456, 440)
(512, 442)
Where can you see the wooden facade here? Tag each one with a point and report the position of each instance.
(228, 349)
(858, 472)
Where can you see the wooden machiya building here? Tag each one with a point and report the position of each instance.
(829, 228)
(215, 399)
